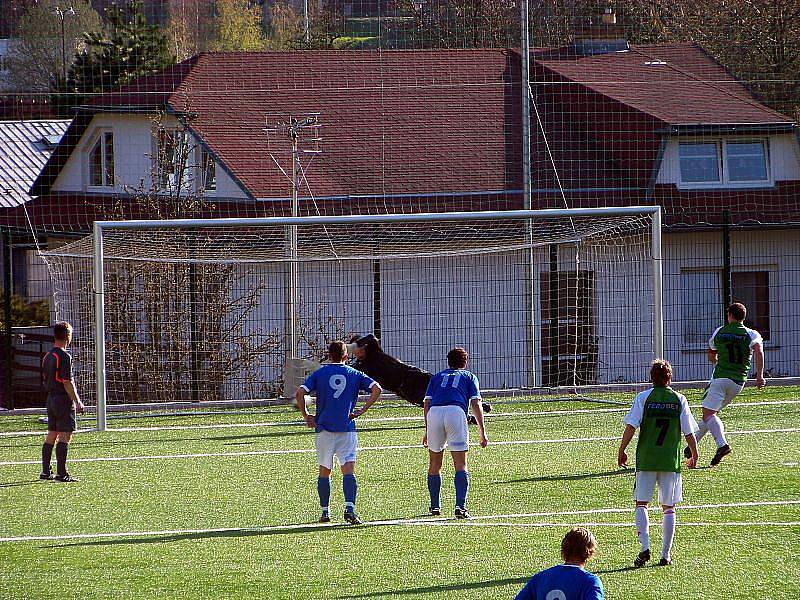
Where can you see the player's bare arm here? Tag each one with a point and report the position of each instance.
(73, 394)
(758, 357)
(477, 411)
(300, 401)
(375, 393)
(691, 441)
(627, 436)
(426, 406)
(712, 356)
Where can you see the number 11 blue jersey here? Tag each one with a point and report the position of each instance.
(453, 387)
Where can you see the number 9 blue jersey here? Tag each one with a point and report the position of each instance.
(453, 387)
(337, 388)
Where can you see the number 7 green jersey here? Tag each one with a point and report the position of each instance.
(734, 345)
(662, 416)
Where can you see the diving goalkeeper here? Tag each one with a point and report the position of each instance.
(407, 381)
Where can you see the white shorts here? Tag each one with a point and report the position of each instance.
(447, 427)
(341, 444)
(720, 392)
(670, 490)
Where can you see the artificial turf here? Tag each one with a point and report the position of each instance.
(240, 522)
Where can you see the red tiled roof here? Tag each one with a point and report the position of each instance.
(405, 122)
(440, 129)
(679, 84)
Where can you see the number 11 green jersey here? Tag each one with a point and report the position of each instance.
(734, 345)
(662, 416)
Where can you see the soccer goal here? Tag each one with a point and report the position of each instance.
(211, 313)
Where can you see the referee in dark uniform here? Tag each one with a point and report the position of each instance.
(62, 402)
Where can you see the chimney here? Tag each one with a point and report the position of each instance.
(600, 38)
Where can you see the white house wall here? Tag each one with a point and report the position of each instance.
(479, 302)
(775, 251)
(133, 164)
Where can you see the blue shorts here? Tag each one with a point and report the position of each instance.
(61, 414)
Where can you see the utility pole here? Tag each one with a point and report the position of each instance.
(304, 136)
(61, 13)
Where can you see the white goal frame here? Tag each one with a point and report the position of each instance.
(291, 223)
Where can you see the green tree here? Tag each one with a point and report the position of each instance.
(37, 58)
(238, 26)
(131, 48)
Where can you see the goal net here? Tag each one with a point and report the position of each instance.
(203, 314)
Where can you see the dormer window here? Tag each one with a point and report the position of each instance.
(724, 163)
(101, 161)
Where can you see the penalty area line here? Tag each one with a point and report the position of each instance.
(493, 415)
(484, 520)
(10, 463)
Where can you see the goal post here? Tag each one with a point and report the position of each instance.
(395, 274)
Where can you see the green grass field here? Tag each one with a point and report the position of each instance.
(231, 512)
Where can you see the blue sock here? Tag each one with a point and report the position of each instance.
(349, 487)
(324, 491)
(435, 489)
(462, 488)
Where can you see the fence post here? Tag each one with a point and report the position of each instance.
(9, 348)
(554, 379)
(727, 284)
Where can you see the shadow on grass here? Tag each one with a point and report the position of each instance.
(21, 483)
(622, 569)
(204, 535)
(436, 589)
(571, 477)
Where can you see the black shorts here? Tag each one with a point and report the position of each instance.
(61, 414)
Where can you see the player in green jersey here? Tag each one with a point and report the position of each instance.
(730, 350)
(662, 416)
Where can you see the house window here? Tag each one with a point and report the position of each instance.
(172, 153)
(101, 161)
(207, 171)
(702, 303)
(723, 162)
(700, 163)
(747, 161)
(751, 288)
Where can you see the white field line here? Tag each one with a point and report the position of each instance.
(492, 415)
(610, 524)
(486, 520)
(9, 463)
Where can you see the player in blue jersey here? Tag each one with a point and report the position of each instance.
(62, 402)
(447, 400)
(337, 387)
(568, 581)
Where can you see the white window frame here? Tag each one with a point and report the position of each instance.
(774, 305)
(724, 168)
(99, 135)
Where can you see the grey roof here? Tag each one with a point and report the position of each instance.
(25, 147)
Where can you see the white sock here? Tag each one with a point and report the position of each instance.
(667, 532)
(717, 429)
(701, 431)
(642, 520)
